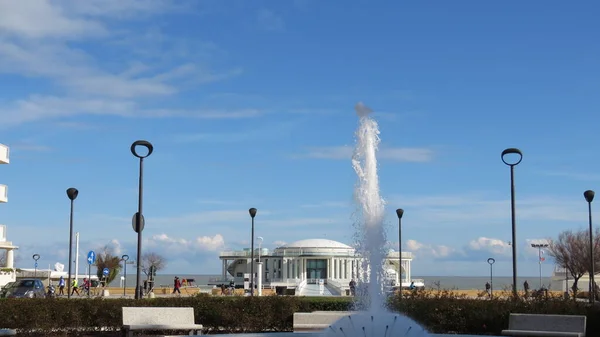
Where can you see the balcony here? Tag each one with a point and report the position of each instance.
(3, 193)
(4, 154)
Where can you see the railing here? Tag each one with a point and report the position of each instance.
(339, 286)
(238, 253)
(300, 287)
(405, 255)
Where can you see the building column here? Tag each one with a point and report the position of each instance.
(224, 270)
(304, 276)
(408, 272)
(346, 261)
(10, 258)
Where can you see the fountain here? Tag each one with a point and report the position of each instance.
(369, 232)
(370, 240)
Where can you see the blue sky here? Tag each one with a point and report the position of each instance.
(250, 104)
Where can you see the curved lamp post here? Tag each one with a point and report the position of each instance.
(124, 258)
(491, 261)
(252, 212)
(72, 194)
(400, 213)
(512, 209)
(139, 217)
(589, 197)
(35, 257)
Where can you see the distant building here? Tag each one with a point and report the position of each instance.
(307, 261)
(7, 272)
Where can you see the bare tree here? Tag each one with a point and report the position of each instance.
(571, 252)
(152, 259)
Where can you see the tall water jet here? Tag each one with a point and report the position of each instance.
(370, 243)
(370, 234)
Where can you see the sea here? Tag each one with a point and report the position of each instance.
(431, 282)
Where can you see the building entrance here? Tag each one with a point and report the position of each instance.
(316, 269)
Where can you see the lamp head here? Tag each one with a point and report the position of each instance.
(589, 195)
(399, 213)
(36, 256)
(143, 143)
(512, 150)
(252, 212)
(72, 193)
(125, 257)
(491, 260)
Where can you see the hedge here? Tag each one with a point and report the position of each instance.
(441, 312)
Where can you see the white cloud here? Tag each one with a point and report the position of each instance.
(278, 243)
(478, 249)
(481, 209)
(37, 39)
(401, 154)
(488, 245)
(41, 18)
(180, 245)
(49, 107)
(428, 250)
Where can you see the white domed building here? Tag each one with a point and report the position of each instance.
(302, 263)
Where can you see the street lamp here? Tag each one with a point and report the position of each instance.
(72, 194)
(589, 197)
(539, 246)
(139, 217)
(36, 257)
(124, 258)
(512, 210)
(252, 212)
(491, 261)
(400, 213)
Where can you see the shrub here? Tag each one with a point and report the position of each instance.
(442, 311)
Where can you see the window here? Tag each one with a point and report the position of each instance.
(27, 283)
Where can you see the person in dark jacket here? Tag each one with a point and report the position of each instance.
(176, 285)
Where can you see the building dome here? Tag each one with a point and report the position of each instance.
(316, 243)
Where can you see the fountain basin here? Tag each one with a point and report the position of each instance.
(318, 334)
(355, 324)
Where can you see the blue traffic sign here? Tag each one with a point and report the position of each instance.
(105, 271)
(91, 258)
(36, 264)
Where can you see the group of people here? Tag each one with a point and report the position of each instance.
(87, 285)
(488, 288)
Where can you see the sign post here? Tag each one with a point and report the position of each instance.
(91, 259)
